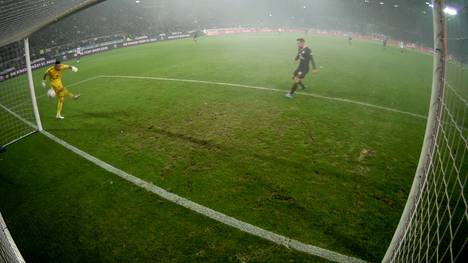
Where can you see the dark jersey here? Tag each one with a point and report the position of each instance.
(305, 57)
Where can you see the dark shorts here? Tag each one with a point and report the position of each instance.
(300, 73)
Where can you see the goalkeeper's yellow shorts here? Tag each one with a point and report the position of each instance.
(60, 91)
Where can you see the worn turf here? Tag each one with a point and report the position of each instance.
(328, 173)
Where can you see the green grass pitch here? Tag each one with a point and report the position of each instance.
(328, 173)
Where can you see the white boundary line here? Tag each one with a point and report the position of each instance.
(203, 210)
(275, 90)
(208, 212)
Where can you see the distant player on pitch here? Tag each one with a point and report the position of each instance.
(304, 56)
(195, 36)
(350, 39)
(55, 76)
(78, 54)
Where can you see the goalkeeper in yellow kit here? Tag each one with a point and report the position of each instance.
(55, 77)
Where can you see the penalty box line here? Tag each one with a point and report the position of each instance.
(272, 89)
(364, 104)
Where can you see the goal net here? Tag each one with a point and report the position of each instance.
(434, 225)
(8, 251)
(16, 111)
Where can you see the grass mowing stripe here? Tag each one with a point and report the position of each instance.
(220, 217)
(276, 90)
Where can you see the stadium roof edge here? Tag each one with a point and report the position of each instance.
(10, 21)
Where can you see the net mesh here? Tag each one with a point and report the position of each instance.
(8, 251)
(15, 100)
(19, 18)
(438, 227)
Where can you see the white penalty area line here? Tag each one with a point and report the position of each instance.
(208, 212)
(271, 89)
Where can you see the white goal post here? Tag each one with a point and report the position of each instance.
(433, 226)
(9, 253)
(32, 92)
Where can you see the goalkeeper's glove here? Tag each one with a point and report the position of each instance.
(43, 84)
(74, 69)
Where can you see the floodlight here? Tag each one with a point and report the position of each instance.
(450, 11)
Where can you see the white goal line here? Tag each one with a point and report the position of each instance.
(208, 212)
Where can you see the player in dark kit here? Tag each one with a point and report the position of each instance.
(195, 36)
(304, 56)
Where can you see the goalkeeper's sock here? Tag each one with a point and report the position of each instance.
(59, 108)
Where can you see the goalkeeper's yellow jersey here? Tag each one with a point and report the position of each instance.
(55, 76)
